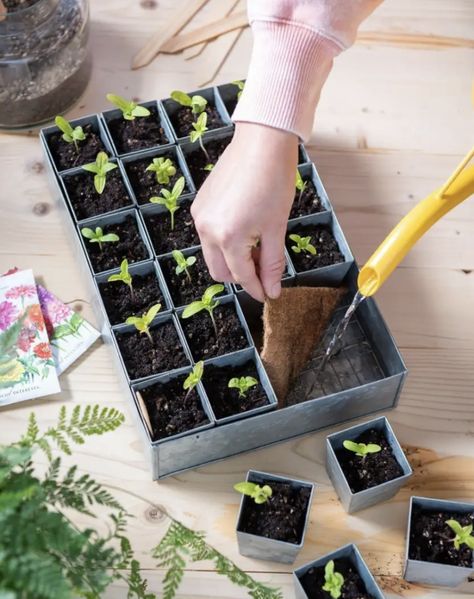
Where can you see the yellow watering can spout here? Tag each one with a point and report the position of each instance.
(420, 219)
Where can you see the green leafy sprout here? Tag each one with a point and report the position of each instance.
(163, 169)
(303, 244)
(70, 135)
(243, 384)
(256, 492)
(142, 323)
(196, 103)
(463, 534)
(299, 183)
(194, 377)
(209, 167)
(130, 109)
(207, 302)
(183, 263)
(98, 236)
(170, 198)
(361, 449)
(240, 86)
(123, 276)
(333, 581)
(100, 168)
(200, 127)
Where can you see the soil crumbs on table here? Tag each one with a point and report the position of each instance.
(120, 303)
(326, 246)
(374, 469)
(65, 155)
(145, 184)
(197, 160)
(282, 517)
(306, 202)
(130, 246)
(138, 134)
(431, 539)
(227, 402)
(184, 118)
(201, 336)
(171, 409)
(85, 200)
(164, 239)
(353, 587)
(143, 358)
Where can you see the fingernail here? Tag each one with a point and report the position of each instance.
(275, 291)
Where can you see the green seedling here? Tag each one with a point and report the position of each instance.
(303, 244)
(196, 103)
(70, 135)
(200, 127)
(207, 302)
(100, 168)
(243, 384)
(361, 449)
(463, 534)
(123, 276)
(163, 169)
(300, 184)
(98, 236)
(142, 323)
(209, 167)
(183, 263)
(256, 492)
(193, 377)
(130, 109)
(333, 581)
(240, 86)
(170, 198)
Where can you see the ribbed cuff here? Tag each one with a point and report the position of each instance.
(289, 66)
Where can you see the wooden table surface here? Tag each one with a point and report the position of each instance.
(394, 120)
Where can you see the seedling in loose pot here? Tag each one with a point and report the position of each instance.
(299, 183)
(196, 103)
(124, 276)
(243, 384)
(333, 581)
(256, 492)
(142, 323)
(163, 169)
(183, 263)
(240, 86)
(194, 377)
(207, 302)
(303, 244)
(170, 198)
(463, 534)
(98, 236)
(100, 168)
(200, 127)
(130, 109)
(362, 450)
(70, 135)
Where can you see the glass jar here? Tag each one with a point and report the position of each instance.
(44, 60)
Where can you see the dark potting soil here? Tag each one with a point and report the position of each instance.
(171, 410)
(431, 538)
(197, 160)
(353, 587)
(308, 202)
(144, 182)
(183, 120)
(130, 246)
(143, 358)
(182, 290)
(282, 517)
(139, 134)
(225, 401)
(374, 469)
(85, 200)
(184, 234)
(65, 154)
(201, 336)
(120, 303)
(327, 249)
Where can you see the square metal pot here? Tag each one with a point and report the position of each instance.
(350, 552)
(303, 157)
(263, 548)
(435, 573)
(308, 172)
(228, 93)
(353, 502)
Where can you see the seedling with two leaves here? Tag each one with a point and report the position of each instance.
(70, 135)
(183, 263)
(97, 236)
(130, 109)
(197, 103)
(463, 534)
(200, 127)
(243, 384)
(100, 168)
(362, 450)
(170, 199)
(123, 276)
(142, 323)
(207, 302)
(300, 184)
(163, 168)
(256, 492)
(333, 581)
(193, 377)
(303, 244)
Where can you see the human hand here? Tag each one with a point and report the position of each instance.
(246, 200)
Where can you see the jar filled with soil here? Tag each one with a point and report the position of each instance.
(44, 60)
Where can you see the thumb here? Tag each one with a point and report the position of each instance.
(272, 262)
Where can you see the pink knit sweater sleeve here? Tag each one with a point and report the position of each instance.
(295, 42)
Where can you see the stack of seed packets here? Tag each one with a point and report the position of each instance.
(40, 337)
